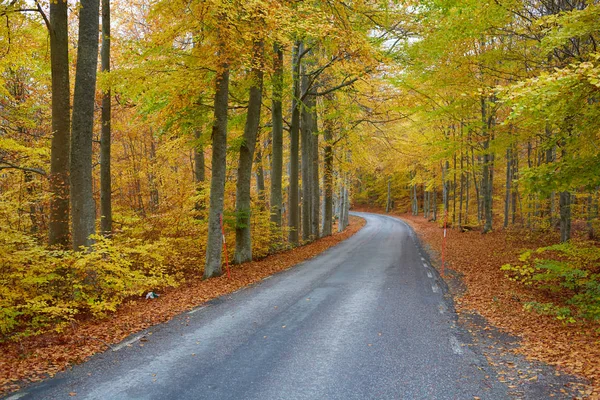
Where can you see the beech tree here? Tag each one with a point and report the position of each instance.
(83, 206)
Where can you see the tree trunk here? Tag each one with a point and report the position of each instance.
(328, 181)
(58, 229)
(486, 186)
(105, 179)
(435, 206)
(293, 221)
(154, 195)
(342, 207)
(508, 188)
(260, 177)
(277, 140)
(315, 190)
(565, 216)
(306, 139)
(83, 209)
(219, 167)
(243, 237)
(388, 205)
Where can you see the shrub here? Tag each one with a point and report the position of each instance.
(572, 271)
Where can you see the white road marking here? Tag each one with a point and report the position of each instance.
(429, 274)
(442, 308)
(127, 342)
(422, 259)
(455, 344)
(195, 310)
(425, 265)
(17, 396)
(435, 288)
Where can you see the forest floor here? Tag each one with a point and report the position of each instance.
(36, 358)
(480, 289)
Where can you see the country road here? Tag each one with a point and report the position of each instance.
(367, 319)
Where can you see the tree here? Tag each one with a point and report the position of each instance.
(243, 239)
(105, 178)
(83, 209)
(277, 137)
(219, 161)
(58, 228)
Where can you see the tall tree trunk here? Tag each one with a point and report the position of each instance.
(277, 140)
(328, 181)
(454, 190)
(315, 190)
(306, 139)
(342, 206)
(565, 216)
(293, 220)
(508, 188)
(83, 209)
(487, 183)
(435, 206)
(260, 177)
(105, 179)
(58, 229)
(219, 166)
(462, 188)
(154, 195)
(243, 237)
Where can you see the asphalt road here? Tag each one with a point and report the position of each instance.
(367, 319)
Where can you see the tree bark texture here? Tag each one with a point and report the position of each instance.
(276, 202)
(243, 236)
(306, 140)
(83, 209)
(58, 229)
(105, 178)
(328, 181)
(293, 220)
(219, 167)
(315, 190)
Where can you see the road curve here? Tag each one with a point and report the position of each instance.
(366, 319)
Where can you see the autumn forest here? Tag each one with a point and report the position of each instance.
(149, 143)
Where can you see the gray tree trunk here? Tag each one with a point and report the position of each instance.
(83, 209)
(58, 227)
(342, 207)
(328, 182)
(105, 178)
(565, 216)
(486, 186)
(388, 203)
(260, 177)
(435, 206)
(315, 189)
(243, 236)
(306, 145)
(293, 221)
(507, 187)
(277, 140)
(219, 168)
